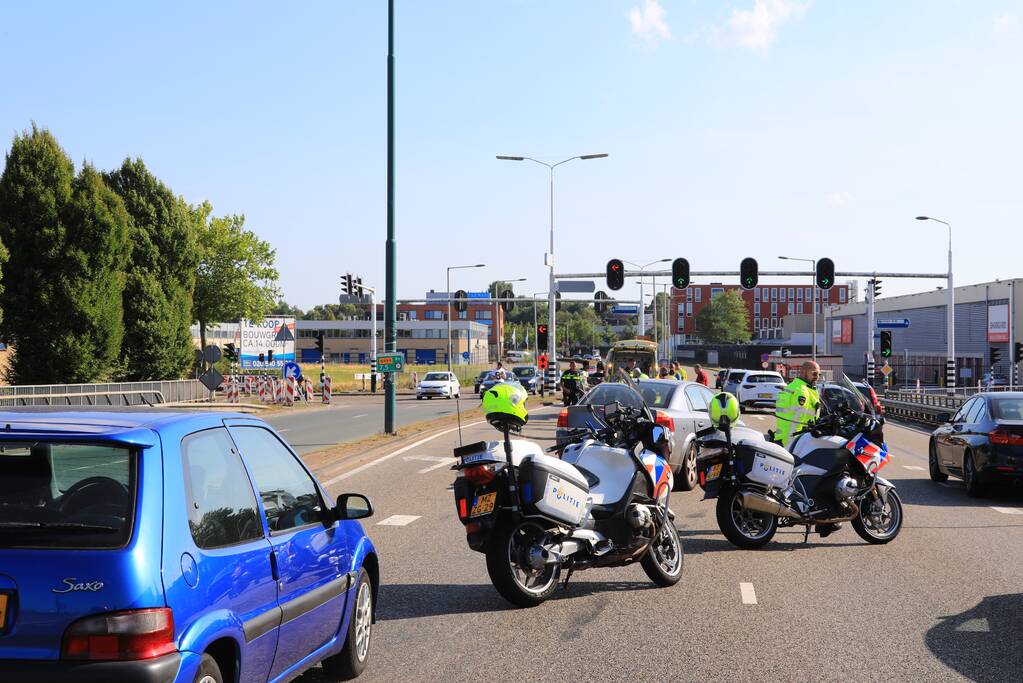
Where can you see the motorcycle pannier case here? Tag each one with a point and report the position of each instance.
(553, 489)
(765, 463)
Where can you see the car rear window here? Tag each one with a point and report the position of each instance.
(657, 394)
(736, 376)
(59, 495)
(603, 394)
(1007, 408)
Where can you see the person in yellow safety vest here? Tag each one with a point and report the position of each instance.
(634, 372)
(797, 405)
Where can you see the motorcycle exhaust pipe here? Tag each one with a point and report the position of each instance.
(761, 503)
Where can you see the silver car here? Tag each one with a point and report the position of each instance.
(688, 406)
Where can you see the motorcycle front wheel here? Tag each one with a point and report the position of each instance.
(663, 560)
(510, 570)
(746, 529)
(880, 521)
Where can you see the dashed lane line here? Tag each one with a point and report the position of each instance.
(748, 593)
(406, 449)
(913, 467)
(1007, 511)
(398, 520)
(437, 461)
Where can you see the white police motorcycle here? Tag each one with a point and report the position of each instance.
(604, 504)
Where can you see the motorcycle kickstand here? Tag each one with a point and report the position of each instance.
(806, 534)
(567, 577)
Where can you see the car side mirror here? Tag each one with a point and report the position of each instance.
(353, 506)
(943, 417)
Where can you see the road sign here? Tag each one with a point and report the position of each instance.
(541, 362)
(465, 355)
(353, 299)
(291, 369)
(390, 362)
(765, 365)
(211, 354)
(765, 357)
(886, 369)
(576, 286)
(211, 379)
(894, 323)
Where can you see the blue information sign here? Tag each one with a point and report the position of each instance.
(465, 355)
(894, 323)
(291, 369)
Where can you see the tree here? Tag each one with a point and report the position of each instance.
(282, 307)
(236, 278)
(724, 320)
(160, 276)
(64, 284)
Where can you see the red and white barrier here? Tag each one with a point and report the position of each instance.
(308, 390)
(232, 391)
(325, 390)
(289, 392)
(262, 390)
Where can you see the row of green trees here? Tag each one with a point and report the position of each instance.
(103, 273)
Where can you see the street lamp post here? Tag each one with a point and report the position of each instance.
(642, 300)
(950, 361)
(551, 339)
(451, 268)
(813, 303)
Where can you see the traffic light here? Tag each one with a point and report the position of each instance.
(461, 304)
(541, 336)
(357, 286)
(319, 342)
(680, 273)
(270, 356)
(825, 273)
(615, 274)
(262, 358)
(230, 351)
(600, 302)
(876, 286)
(886, 343)
(506, 306)
(749, 273)
(996, 354)
(1017, 355)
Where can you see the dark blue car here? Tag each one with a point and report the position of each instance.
(163, 546)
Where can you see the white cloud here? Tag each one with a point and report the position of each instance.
(758, 27)
(648, 22)
(839, 199)
(1004, 23)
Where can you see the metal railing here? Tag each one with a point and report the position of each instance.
(105, 394)
(919, 406)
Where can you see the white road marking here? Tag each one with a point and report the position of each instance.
(282, 431)
(910, 467)
(355, 417)
(749, 594)
(406, 449)
(1007, 511)
(437, 460)
(398, 520)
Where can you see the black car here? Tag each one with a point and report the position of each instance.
(528, 377)
(981, 443)
(479, 380)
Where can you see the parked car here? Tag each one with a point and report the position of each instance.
(479, 380)
(687, 405)
(443, 384)
(758, 388)
(719, 379)
(160, 546)
(981, 443)
(528, 377)
(870, 396)
(493, 378)
(599, 396)
(732, 379)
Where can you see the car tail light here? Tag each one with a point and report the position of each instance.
(563, 418)
(133, 634)
(480, 474)
(1003, 437)
(665, 420)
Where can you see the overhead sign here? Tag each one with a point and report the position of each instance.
(272, 337)
(390, 362)
(892, 324)
(353, 299)
(998, 323)
(625, 309)
(576, 286)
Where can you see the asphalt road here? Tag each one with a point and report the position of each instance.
(944, 601)
(355, 417)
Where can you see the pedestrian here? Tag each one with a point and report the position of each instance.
(662, 372)
(701, 376)
(499, 372)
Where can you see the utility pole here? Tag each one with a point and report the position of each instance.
(391, 294)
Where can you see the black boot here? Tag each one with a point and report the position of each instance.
(826, 530)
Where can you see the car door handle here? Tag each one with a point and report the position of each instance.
(273, 566)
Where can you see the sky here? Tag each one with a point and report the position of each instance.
(733, 128)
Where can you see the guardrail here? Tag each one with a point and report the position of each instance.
(105, 394)
(919, 406)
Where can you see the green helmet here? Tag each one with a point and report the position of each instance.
(504, 405)
(724, 407)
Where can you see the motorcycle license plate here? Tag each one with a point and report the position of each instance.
(714, 472)
(3, 610)
(484, 505)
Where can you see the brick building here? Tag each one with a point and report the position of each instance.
(767, 306)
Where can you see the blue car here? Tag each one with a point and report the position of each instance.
(171, 546)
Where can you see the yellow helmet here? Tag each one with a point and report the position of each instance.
(504, 405)
(724, 407)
